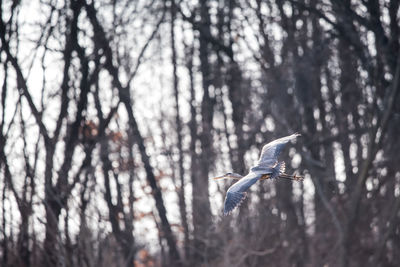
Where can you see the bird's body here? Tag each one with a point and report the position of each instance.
(267, 167)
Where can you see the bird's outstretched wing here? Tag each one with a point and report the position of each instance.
(237, 192)
(270, 152)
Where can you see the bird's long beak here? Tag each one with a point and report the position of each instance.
(220, 177)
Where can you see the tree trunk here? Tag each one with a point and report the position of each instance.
(201, 203)
(181, 193)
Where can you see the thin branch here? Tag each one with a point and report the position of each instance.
(143, 50)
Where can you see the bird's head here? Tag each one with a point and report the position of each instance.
(229, 175)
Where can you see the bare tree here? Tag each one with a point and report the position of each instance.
(115, 114)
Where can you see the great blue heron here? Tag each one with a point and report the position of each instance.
(267, 167)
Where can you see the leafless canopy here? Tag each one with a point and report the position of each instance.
(115, 114)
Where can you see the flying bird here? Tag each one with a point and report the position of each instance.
(267, 167)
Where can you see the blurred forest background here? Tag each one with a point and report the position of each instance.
(115, 114)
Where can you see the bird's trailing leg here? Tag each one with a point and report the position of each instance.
(293, 177)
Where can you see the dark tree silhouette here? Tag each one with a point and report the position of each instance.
(115, 115)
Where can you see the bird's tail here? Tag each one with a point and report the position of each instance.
(278, 169)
